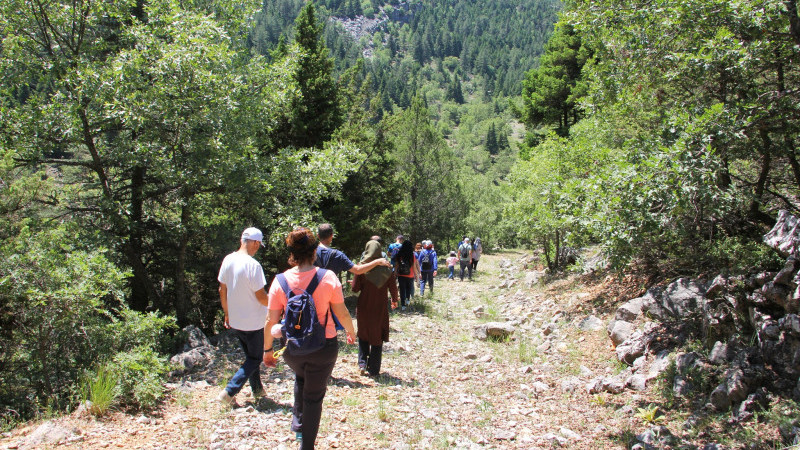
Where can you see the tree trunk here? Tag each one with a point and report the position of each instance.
(761, 184)
(139, 299)
(790, 153)
(794, 20)
(546, 249)
(558, 250)
(181, 300)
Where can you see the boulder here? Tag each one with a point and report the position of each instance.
(719, 353)
(630, 310)
(719, 398)
(786, 274)
(658, 436)
(637, 382)
(785, 235)
(686, 361)
(494, 330)
(659, 365)
(679, 300)
(195, 338)
(49, 433)
(636, 344)
(532, 278)
(619, 331)
(193, 360)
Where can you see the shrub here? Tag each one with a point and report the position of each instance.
(61, 312)
(742, 255)
(140, 372)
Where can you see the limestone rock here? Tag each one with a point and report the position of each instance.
(785, 235)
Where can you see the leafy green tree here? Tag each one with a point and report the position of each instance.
(163, 129)
(375, 178)
(428, 175)
(696, 94)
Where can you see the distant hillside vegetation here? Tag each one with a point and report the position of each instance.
(497, 40)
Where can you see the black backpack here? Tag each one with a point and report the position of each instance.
(465, 248)
(301, 328)
(403, 267)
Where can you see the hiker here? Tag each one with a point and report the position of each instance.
(407, 270)
(451, 265)
(313, 370)
(477, 249)
(373, 288)
(244, 302)
(465, 258)
(380, 241)
(395, 247)
(417, 249)
(428, 265)
(337, 261)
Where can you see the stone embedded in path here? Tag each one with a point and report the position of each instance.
(494, 330)
(591, 323)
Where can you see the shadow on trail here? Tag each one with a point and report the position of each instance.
(391, 380)
(268, 405)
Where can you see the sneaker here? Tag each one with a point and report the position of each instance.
(259, 394)
(225, 398)
(298, 435)
(362, 369)
(402, 308)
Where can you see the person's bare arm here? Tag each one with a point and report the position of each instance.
(223, 299)
(358, 269)
(261, 296)
(347, 322)
(273, 317)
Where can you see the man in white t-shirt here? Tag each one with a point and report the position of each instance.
(244, 301)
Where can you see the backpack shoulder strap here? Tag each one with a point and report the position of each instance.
(312, 285)
(284, 285)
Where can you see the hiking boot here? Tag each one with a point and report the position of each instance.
(225, 398)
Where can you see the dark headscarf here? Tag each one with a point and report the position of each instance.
(379, 274)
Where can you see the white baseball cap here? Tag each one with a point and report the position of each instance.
(253, 234)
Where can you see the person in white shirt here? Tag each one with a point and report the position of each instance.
(244, 301)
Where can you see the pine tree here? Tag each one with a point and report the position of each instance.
(316, 113)
(491, 140)
(454, 92)
(551, 92)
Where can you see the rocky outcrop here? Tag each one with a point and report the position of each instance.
(359, 27)
(197, 353)
(765, 304)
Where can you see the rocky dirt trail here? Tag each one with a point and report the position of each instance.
(440, 387)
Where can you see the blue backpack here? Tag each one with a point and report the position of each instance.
(426, 260)
(301, 328)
